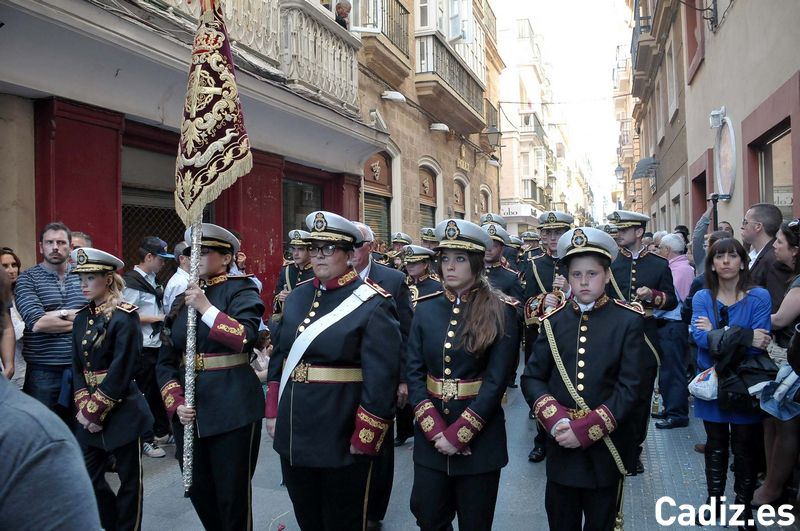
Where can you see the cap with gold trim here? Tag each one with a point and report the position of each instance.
(624, 219)
(90, 260)
(299, 237)
(494, 218)
(462, 235)
(497, 233)
(330, 227)
(428, 234)
(610, 228)
(583, 240)
(553, 219)
(531, 236)
(415, 253)
(516, 243)
(402, 237)
(215, 237)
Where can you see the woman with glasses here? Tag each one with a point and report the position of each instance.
(729, 300)
(229, 400)
(460, 356)
(12, 362)
(782, 437)
(332, 379)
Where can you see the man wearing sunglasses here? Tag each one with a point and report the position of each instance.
(759, 227)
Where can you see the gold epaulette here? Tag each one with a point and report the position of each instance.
(434, 276)
(646, 253)
(428, 296)
(377, 287)
(630, 307)
(554, 310)
(127, 307)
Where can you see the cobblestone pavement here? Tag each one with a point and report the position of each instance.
(672, 469)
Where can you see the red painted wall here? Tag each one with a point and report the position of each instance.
(78, 167)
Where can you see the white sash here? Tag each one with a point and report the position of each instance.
(361, 295)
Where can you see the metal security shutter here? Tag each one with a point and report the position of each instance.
(376, 215)
(427, 216)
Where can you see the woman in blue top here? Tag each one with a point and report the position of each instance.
(737, 304)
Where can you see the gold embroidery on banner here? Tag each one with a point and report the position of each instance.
(426, 424)
(464, 434)
(366, 435)
(595, 432)
(549, 411)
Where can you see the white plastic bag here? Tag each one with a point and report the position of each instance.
(705, 385)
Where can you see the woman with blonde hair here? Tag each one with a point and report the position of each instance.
(112, 412)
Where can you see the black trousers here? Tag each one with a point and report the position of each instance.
(567, 506)
(404, 421)
(329, 499)
(145, 376)
(224, 465)
(437, 498)
(121, 511)
(674, 342)
(380, 483)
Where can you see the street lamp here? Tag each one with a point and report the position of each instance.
(493, 137)
(619, 172)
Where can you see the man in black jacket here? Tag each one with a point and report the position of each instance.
(394, 282)
(759, 227)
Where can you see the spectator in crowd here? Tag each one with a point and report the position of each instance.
(48, 298)
(81, 239)
(43, 480)
(759, 226)
(142, 290)
(178, 282)
(239, 265)
(781, 437)
(727, 227)
(343, 8)
(673, 338)
(730, 301)
(653, 247)
(699, 236)
(14, 369)
(683, 230)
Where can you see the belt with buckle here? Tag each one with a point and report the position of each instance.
(453, 388)
(307, 373)
(94, 378)
(206, 361)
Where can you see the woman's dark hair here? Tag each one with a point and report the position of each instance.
(484, 319)
(602, 260)
(5, 295)
(791, 231)
(718, 235)
(727, 245)
(17, 261)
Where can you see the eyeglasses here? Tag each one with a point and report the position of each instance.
(326, 250)
(746, 222)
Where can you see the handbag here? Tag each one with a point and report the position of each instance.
(705, 385)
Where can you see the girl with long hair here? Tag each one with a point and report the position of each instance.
(460, 356)
(111, 411)
(729, 300)
(782, 437)
(13, 369)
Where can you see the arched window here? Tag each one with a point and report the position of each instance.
(427, 196)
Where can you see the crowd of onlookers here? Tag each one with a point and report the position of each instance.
(740, 301)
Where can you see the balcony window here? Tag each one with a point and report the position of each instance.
(529, 189)
(525, 164)
(775, 164)
(672, 85)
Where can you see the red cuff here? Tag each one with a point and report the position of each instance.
(97, 407)
(81, 397)
(464, 429)
(594, 426)
(229, 332)
(370, 432)
(548, 411)
(172, 395)
(271, 410)
(430, 421)
(659, 298)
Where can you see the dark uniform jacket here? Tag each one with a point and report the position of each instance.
(603, 354)
(512, 258)
(317, 421)
(546, 268)
(505, 279)
(289, 277)
(533, 252)
(225, 398)
(435, 349)
(425, 286)
(394, 282)
(104, 355)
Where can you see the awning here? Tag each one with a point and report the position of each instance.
(646, 167)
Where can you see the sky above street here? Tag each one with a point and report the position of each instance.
(580, 39)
